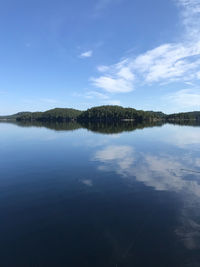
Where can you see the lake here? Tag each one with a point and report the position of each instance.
(99, 195)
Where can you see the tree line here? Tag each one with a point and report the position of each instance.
(107, 114)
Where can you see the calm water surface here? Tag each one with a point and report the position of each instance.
(74, 197)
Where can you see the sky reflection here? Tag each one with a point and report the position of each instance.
(176, 171)
(134, 197)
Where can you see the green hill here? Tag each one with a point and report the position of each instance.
(57, 114)
(105, 114)
(117, 113)
(15, 116)
(184, 116)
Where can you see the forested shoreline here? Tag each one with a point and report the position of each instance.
(106, 114)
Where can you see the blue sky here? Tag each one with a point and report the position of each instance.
(136, 53)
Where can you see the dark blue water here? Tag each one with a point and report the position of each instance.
(73, 197)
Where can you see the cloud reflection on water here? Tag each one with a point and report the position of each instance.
(184, 137)
(119, 157)
(163, 172)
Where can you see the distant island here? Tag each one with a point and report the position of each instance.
(108, 114)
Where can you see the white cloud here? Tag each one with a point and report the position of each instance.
(167, 63)
(191, 17)
(126, 74)
(86, 54)
(198, 75)
(116, 78)
(102, 68)
(113, 85)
